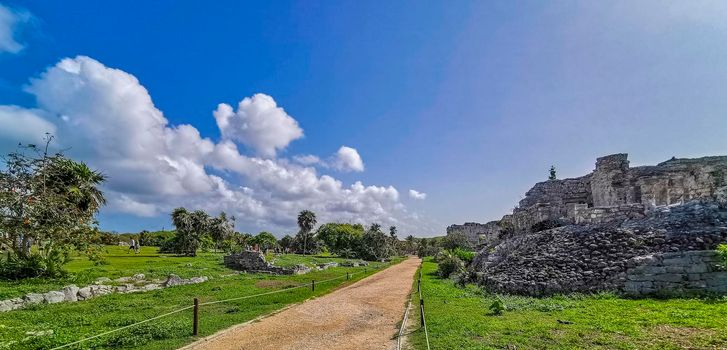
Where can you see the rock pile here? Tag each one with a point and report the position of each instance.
(590, 258)
(102, 286)
(254, 261)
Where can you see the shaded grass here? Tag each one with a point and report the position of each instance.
(47, 326)
(458, 318)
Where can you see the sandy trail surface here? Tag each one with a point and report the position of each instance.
(363, 315)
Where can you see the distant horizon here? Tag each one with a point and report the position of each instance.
(400, 114)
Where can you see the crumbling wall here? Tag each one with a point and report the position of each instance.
(591, 258)
(585, 215)
(613, 184)
(477, 234)
(254, 261)
(676, 273)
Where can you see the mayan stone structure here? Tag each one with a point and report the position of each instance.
(636, 230)
(616, 192)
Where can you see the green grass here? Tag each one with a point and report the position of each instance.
(459, 318)
(46, 326)
(120, 262)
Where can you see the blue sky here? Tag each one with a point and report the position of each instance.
(468, 102)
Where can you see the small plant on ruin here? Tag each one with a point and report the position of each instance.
(497, 307)
(722, 252)
(552, 173)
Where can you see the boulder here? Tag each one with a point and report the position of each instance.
(124, 279)
(53, 297)
(70, 293)
(139, 277)
(33, 298)
(101, 289)
(6, 305)
(198, 279)
(173, 280)
(84, 293)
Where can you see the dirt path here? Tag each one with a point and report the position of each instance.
(363, 315)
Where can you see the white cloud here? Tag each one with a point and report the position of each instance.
(308, 159)
(105, 117)
(258, 123)
(20, 125)
(417, 195)
(348, 159)
(9, 21)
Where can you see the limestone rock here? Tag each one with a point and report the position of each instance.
(53, 297)
(70, 293)
(173, 280)
(84, 293)
(33, 298)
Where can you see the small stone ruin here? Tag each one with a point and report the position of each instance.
(254, 261)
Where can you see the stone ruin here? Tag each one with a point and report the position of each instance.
(641, 230)
(254, 261)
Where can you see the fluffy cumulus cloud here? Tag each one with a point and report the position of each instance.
(258, 123)
(348, 159)
(417, 195)
(10, 20)
(105, 117)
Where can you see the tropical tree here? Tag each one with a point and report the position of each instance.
(374, 244)
(191, 226)
(410, 243)
(49, 201)
(221, 228)
(265, 240)
(306, 222)
(286, 243)
(341, 239)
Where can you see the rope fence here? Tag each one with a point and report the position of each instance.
(196, 305)
(423, 321)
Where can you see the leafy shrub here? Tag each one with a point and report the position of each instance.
(465, 255)
(497, 307)
(448, 264)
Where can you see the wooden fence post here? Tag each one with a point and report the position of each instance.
(195, 321)
(313, 285)
(421, 309)
(347, 276)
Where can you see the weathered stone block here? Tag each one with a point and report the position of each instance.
(70, 293)
(54, 297)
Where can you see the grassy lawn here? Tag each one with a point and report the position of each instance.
(459, 318)
(119, 262)
(46, 326)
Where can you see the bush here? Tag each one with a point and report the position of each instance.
(465, 255)
(497, 307)
(448, 264)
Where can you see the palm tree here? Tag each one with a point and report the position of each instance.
(306, 222)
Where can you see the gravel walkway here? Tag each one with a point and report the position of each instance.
(363, 315)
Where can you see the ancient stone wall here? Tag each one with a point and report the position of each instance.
(591, 258)
(614, 184)
(676, 273)
(254, 261)
(585, 215)
(477, 234)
